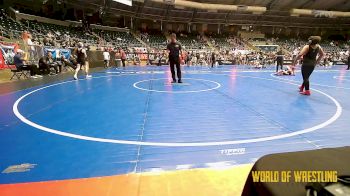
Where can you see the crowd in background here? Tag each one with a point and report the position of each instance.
(232, 51)
(53, 39)
(198, 49)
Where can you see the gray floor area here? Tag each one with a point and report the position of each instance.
(16, 85)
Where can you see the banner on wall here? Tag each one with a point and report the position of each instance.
(57, 53)
(7, 52)
(2, 61)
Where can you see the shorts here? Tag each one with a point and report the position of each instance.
(81, 62)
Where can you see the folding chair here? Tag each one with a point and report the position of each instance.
(18, 73)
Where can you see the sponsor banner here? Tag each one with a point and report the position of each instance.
(57, 53)
(7, 52)
(2, 61)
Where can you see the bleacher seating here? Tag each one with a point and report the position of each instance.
(191, 41)
(64, 36)
(331, 47)
(157, 40)
(122, 39)
(291, 44)
(219, 41)
(226, 42)
(76, 33)
(288, 44)
(10, 28)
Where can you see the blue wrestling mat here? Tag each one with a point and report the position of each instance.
(134, 120)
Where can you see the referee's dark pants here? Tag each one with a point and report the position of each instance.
(173, 63)
(279, 63)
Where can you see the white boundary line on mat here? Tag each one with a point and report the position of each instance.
(218, 85)
(316, 84)
(336, 115)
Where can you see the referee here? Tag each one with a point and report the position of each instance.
(174, 49)
(279, 60)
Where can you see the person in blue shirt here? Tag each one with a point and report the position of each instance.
(20, 65)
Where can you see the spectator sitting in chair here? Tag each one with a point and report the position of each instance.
(71, 62)
(44, 66)
(20, 65)
(46, 62)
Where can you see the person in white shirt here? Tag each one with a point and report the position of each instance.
(106, 58)
(295, 53)
(31, 48)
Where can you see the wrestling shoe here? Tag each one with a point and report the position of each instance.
(301, 88)
(307, 93)
(88, 76)
(75, 77)
(180, 81)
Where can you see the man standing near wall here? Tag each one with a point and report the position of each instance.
(122, 56)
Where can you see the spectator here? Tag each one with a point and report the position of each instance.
(212, 59)
(46, 62)
(122, 56)
(20, 65)
(31, 48)
(117, 58)
(106, 58)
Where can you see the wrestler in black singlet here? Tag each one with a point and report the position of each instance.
(81, 56)
(309, 64)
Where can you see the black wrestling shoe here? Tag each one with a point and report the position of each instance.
(180, 81)
(174, 81)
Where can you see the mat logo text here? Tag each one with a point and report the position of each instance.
(294, 176)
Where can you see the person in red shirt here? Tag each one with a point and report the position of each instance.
(123, 56)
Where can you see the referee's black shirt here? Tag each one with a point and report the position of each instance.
(280, 56)
(174, 49)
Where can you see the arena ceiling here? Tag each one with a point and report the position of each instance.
(277, 14)
(338, 5)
